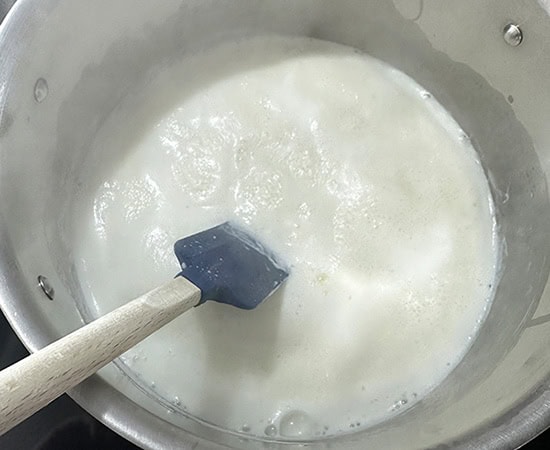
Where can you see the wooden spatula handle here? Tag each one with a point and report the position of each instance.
(35, 381)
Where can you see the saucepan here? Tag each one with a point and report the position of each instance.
(66, 65)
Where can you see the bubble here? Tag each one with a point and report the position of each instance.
(425, 95)
(177, 401)
(399, 404)
(464, 138)
(321, 278)
(295, 424)
(41, 90)
(246, 428)
(270, 430)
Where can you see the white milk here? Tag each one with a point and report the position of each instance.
(347, 169)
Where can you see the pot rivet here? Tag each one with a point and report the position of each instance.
(513, 35)
(40, 90)
(46, 287)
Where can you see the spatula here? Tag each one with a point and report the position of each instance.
(223, 263)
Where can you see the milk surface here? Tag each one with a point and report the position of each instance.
(354, 175)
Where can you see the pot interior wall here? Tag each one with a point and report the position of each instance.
(93, 57)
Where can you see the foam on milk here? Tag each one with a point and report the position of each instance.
(351, 172)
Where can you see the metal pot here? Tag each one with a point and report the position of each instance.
(66, 66)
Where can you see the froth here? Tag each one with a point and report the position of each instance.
(347, 168)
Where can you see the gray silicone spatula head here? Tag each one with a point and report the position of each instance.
(230, 266)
